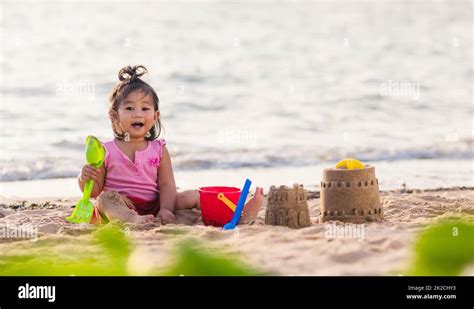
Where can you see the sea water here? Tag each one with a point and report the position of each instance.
(280, 88)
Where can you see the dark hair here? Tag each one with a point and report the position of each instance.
(129, 81)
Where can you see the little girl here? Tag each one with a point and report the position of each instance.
(136, 182)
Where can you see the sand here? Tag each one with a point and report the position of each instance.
(382, 248)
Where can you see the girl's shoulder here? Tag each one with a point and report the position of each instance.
(109, 146)
(158, 142)
(157, 146)
(110, 152)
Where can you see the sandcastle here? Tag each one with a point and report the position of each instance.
(288, 207)
(350, 195)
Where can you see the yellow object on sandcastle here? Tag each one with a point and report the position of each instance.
(350, 164)
(350, 193)
(287, 207)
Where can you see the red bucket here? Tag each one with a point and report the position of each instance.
(214, 211)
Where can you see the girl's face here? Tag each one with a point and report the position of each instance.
(137, 115)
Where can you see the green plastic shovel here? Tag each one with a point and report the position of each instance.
(95, 155)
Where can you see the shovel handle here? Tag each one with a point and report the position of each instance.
(88, 189)
(240, 206)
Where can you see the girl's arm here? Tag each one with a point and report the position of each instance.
(166, 184)
(99, 179)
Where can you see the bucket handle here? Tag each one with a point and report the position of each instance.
(226, 201)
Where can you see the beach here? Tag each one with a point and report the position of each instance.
(329, 249)
(272, 91)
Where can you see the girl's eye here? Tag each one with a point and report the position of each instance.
(145, 109)
(129, 108)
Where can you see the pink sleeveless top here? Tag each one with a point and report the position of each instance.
(138, 180)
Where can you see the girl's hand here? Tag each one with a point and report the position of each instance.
(88, 172)
(166, 216)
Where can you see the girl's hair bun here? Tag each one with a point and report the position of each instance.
(130, 73)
